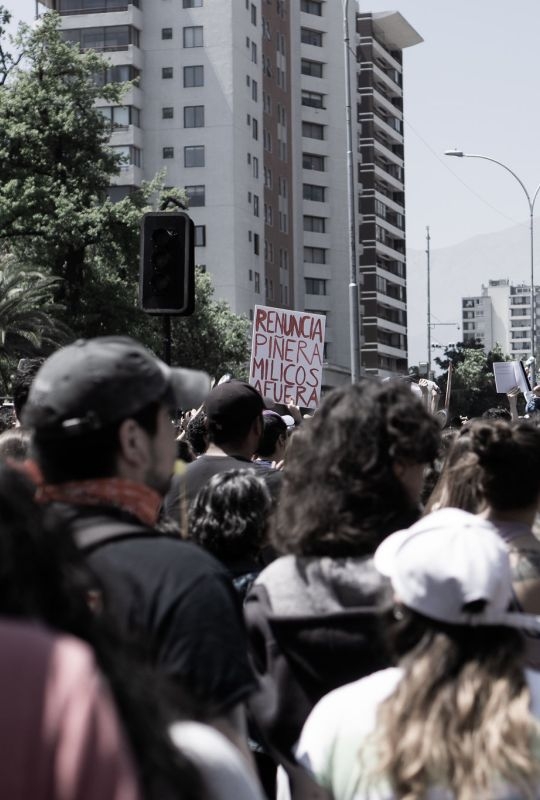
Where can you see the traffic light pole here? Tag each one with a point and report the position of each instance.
(167, 339)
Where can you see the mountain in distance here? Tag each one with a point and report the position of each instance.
(459, 271)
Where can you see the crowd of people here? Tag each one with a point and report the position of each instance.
(204, 595)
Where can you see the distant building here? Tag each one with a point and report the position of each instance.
(501, 315)
(243, 103)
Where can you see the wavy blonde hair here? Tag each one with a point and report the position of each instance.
(460, 717)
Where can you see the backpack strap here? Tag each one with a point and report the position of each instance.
(92, 532)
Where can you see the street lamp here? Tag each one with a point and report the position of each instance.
(531, 202)
(354, 304)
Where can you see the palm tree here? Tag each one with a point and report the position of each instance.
(29, 324)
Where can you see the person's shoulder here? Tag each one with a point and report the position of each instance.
(375, 687)
(220, 764)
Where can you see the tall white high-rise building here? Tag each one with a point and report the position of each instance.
(242, 102)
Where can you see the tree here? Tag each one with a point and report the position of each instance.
(473, 385)
(56, 217)
(29, 323)
(214, 338)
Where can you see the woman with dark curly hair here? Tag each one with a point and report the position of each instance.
(229, 518)
(353, 476)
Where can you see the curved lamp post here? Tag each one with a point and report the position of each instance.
(531, 202)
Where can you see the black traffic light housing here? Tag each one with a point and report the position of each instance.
(167, 267)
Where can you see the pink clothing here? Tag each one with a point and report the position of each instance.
(60, 738)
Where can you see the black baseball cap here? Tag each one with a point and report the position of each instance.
(233, 402)
(97, 382)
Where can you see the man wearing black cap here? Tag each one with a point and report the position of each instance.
(99, 412)
(235, 424)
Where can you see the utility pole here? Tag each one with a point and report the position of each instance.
(428, 256)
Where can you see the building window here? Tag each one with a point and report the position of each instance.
(312, 68)
(196, 195)
(254, 90)
(167, 112)
(168, 152)
(192, 3)
(314, 224)
(194, 156)
(253, 14)
(193, 116)
(313, 192)
(120, 73)
(309, 36)
(254, 52)
(311, 7)
(131, 156)
(121, 117)
(312, 130)
(267, 140)
(254, 128)
(166, 33)
(112, 37)
(313, 161)
(255, 205)
(255, 166)
(257, 282)
(314, 255)
(256, 243)
(167, 72)
(193, 76)
(193, 36)
(312, 99)
(200, 235)
(315, 286)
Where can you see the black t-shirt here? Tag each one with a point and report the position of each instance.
(184, 487)
(181, 601)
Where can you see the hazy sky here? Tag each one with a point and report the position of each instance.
(473, 84)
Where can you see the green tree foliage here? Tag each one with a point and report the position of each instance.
(473, 385)
(29, 323)
(214, 338)
(56, 217)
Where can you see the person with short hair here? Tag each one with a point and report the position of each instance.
(458, 716)
(273, 442)
(234, 422)
(104, 442)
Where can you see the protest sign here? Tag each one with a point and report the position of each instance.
(287, 355)
(509, 374)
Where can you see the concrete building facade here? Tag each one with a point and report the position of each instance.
(501, 315)
(242, 103)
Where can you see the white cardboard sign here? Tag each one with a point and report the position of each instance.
(509, 374)
(287, 355)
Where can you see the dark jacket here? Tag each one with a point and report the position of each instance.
(313, 625)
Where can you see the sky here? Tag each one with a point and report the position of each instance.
(471, 85)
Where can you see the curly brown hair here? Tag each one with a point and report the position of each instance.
(340, 494)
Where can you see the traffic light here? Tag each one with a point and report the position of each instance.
(167, 267)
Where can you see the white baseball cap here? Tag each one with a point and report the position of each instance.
(446, 560)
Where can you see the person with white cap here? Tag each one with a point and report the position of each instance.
(459, 716)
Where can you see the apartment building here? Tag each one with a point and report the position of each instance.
(243, 104)
(501, 315)
(382, 38)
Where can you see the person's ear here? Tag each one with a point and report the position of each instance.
(132, 443)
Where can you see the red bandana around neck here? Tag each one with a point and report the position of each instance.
(135, 498)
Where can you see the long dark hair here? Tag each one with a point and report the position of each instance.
(340, 494)
(43, 577)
